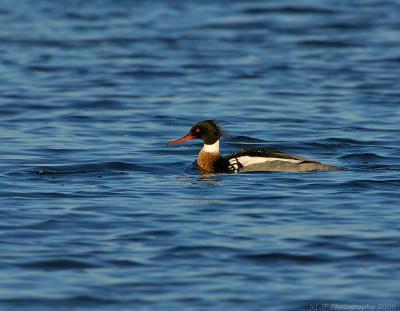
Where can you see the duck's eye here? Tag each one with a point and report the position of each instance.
(197, 130)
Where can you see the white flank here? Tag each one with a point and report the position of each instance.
(248, 160)
(214, 148)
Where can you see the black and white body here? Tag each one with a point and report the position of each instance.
(251, 160)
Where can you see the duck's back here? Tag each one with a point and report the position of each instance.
(267, 159)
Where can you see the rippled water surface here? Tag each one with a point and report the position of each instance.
(98, 213)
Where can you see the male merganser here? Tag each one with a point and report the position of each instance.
(260, 159)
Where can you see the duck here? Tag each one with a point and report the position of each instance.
(210, 160)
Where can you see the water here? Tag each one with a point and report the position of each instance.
(98, 213)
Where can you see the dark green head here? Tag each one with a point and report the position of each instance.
(206, 130)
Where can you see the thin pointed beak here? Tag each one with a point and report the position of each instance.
(181, 140)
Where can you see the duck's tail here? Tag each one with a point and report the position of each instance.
(314, 166)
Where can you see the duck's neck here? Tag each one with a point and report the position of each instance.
(208, 156)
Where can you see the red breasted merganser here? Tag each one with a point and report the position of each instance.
(261, 159)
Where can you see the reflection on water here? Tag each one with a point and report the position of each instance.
(212, 180)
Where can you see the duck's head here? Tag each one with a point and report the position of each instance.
(206, 130)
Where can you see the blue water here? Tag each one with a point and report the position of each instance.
(98, 213)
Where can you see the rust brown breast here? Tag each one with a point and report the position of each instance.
(206, 160)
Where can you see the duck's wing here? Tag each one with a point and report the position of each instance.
(263, 157)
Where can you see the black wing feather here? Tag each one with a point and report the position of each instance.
(268, 152)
